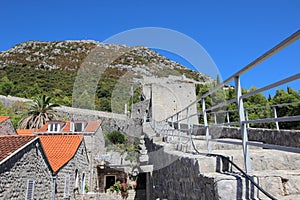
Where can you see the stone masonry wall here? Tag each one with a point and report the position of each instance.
(78, 162)
(289, 138)
(7, 128)
(95, 145)
(26, 164)
(110, 121)
(179, 179)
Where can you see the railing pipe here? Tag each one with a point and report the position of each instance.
(206, 125)
(275, 116)
(227, 116)
(173, 127)
(243, 127)
(191, 139)
(179, 129)
(247, 118)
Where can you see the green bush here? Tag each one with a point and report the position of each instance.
(116, 137)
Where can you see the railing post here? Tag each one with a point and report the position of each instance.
(227, 115)
(166, 130)
(172, 127)
(243, 128)
(247, 118)
(179, 131)
(191, 142)
(275, 116)
(206, 125)
(215, 116)
(162, 127)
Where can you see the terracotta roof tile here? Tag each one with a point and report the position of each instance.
(60, 149)
(3, 118)
(10, 143)
(92, 126)
(25, 132)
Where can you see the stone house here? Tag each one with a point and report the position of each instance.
(93, 139)
(24, 169)
(69, 163)
(6, 126)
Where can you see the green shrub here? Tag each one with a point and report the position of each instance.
(116, 137)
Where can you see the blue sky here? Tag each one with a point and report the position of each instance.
(232, 32)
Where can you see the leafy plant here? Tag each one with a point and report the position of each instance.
(40, 110)
(116, 137)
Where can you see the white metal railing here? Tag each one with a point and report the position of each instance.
(168, 125)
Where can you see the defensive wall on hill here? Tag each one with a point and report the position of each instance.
(110, 121)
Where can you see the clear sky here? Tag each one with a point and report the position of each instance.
(233, 32)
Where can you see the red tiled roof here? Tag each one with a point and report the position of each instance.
(92, 126)
(60, 149)
(11, 143)
(3, 118)
(25, 131)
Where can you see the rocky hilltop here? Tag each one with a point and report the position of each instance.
(34, 67)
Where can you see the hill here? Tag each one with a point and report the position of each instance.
(32, 68)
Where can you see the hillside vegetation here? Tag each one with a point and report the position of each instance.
(34, 68)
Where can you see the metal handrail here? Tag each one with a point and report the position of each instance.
(238, 168)
(243, 121)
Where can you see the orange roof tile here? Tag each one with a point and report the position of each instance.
(92, 126)
(25, 132)
(3, 118)
(11, 143)
(60, 149)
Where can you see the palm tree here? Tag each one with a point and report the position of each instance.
(40, 110)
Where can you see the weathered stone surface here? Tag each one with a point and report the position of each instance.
(29, 163)
(7, 128)
(282, 137)
(80, 164)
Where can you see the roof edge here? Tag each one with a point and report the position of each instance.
(55, 172)
(18, 150)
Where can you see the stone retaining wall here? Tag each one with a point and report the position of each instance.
(180, 178)
(110, 121)
(289, 138)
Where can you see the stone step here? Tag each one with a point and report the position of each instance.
(290, 197)
(280, 183)
(222, 144)
(235, 186)
(266, 159)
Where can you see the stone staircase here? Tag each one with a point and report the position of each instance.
(277, 172)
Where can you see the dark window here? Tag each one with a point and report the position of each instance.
(30, 189)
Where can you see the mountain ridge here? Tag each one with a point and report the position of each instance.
(35, 67)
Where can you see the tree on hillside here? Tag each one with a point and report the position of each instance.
(282, 97)
(40, 110)
(6, 86)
